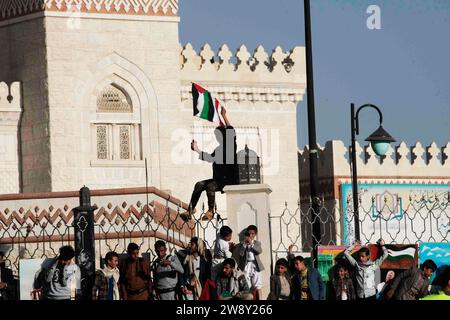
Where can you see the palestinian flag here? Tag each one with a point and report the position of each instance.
(400, 256)
(205, 105)
(396, 253)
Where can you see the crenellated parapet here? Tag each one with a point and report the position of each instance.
(401, 164)
(10, 9)
(277, 76)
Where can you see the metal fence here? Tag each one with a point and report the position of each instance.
(38, 233)
(426, 219)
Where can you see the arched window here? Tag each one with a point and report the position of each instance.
(112, 99)
(116, 126)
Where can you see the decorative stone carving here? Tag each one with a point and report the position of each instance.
(15, 8)
(402, 163)
(245, 77)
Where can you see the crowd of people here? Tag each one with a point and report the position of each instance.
(231, 272)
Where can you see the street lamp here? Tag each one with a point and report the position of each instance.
(380, 140)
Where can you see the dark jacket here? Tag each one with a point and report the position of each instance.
(101, 286)
(275, 287)
(240, 255)
(225, 169)
(410, 285)
(7, 277)
(338, 285)
(315, 282)
(315, 285)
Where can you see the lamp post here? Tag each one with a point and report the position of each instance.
(379, 140)
(313, 152)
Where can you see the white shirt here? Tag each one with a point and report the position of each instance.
(197, 267)
(250, 254)
(221, 250)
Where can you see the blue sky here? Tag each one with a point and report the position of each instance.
(404, 68)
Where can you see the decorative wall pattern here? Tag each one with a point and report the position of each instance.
(278, 76)
(16, 8)
(402, 162)
(102, 143)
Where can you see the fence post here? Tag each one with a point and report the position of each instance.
(85, 242)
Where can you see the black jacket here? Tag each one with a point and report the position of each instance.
(8, 278)
(224, 160)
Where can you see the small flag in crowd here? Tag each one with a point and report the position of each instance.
(205, 105)
(396, 253)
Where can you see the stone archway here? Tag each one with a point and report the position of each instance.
(115, 69)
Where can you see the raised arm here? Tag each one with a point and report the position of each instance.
(208, 157)
(385, 254)
(348, 255)
(176, 265)
(397, 280)
(223, 112)
(256, 247)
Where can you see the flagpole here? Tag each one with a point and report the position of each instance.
(221, 104)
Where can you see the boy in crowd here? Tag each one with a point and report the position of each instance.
(307, 282)
(197, 269)
(222, 250)
(165, 272)
(443, 281)
(7, 291)
(135, 279)
(280, 282)
(247, 256)
(231, 283)
(106, 285)
(366, 270)
(61, 278)
(342, 284)
(413, 283)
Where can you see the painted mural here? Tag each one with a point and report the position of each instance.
(401, 257)
(406, 213)
(438, 252)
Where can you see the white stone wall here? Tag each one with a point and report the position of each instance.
(401, 163)
(10, 112)
(260, 90)
(27, 64)
(142, 57)
(83, 54)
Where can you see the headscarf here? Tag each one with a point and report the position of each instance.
(115, 274)
(189, 263)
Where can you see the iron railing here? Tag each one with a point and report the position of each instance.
(426, 219)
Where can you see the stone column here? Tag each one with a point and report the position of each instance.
(249, 204)
(83, 223)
